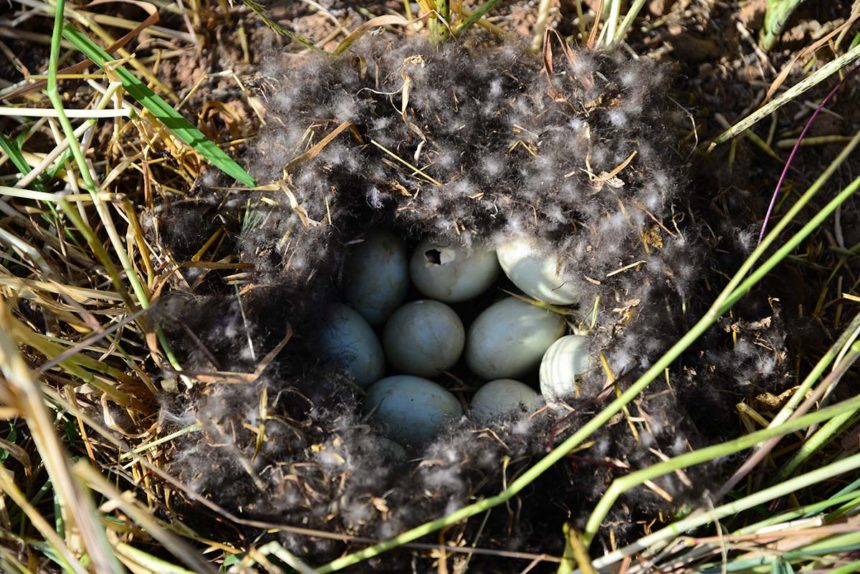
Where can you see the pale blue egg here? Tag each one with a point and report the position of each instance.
(376, 276)
(452, 273)
(349, 341)
(423, 338)
(411, 410)
(502, 397)
(509, 338)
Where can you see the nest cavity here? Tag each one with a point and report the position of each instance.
(474, 144)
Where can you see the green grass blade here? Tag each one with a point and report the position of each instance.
(172, 120)
(775, 18)
(13, 150)
(629, 481)
(626, 24)
(476, 15)
(847, 568)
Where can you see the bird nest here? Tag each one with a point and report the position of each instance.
(472, 147)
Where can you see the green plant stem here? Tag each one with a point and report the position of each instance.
(849, 568)
(814, 443)
(61, 151)
(611, 24)
(90, 184)
(795, 240)
(634, 479)
(735, 289)
(786, 411)
(803, 511)
(83, 227)
(475, 16)
(832, 379)
(674, 530)
(11, 149)
(775, 18)
(619, 36)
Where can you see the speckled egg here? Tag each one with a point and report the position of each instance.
(452, 273)
(509, 338)
(376, 276)
(423, 338)
(411, 410)
(349, 341)
(563, 362)
(502, 397)
(535, 272)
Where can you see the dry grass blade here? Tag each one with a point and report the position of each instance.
(790, 94)
(10, 489)
(22, 392)
(150, 20)
(260, 11)
(320, 145)
(130, 507)
(245, 378)
(806, 52)
(364, 28)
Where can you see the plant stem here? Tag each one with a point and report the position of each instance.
(101, 208)
(628, 482)
(619, 36)
(673, 530)
(821, 437)
(775, 18)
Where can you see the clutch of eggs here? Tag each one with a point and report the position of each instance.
(422, 339)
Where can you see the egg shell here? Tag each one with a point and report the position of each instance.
(563, 362)
(502, 397)
(376, 276)
(452, 273)
(509, 338)
(423, 338)
(349, 341)
(411, 410)
(535, 272)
